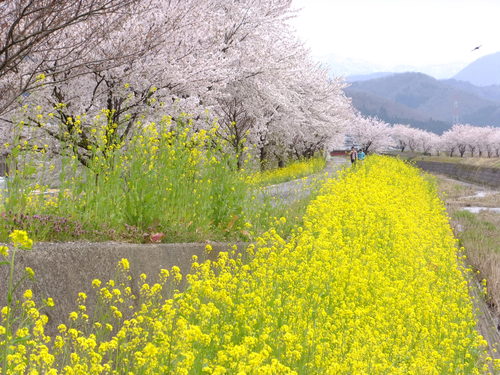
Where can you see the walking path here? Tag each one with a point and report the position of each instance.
(295, 190)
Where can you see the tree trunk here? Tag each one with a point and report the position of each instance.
(262, 157)
(239, 160)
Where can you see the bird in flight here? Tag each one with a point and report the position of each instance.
(476, 48)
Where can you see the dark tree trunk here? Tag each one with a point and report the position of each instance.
(262, 157)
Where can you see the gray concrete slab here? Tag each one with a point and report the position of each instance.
(62, 270)
(470, 173)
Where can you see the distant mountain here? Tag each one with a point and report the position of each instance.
(393, 112)
(425, 102)
(484, 71)
(486, 92)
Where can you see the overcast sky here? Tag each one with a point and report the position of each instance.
(393, 32)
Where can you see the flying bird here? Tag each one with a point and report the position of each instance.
(476, 48)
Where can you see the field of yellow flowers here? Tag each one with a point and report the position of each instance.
(371, 284)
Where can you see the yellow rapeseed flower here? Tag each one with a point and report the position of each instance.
(20, 239)
(4, 251)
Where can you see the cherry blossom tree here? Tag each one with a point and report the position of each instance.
(413, 139)
(247, 69)
(401, 134)
(48, 37)
(490, 137)
(371, 134)
(325, 112)
(294, 115)
(461, 137)
(282, 99)
(495, 143)
(428, 141)
(480, 140)
(170, 54)
(168, 58)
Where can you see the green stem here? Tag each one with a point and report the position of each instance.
(10, 293)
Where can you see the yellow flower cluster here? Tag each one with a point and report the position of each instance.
(20, 239)
(292, 171)
(371, 284)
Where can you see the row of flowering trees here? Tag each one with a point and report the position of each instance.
(374, 135)
(235, 62)
(460, 140)
(70, 70)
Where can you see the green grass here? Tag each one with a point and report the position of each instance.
(169, 183)
(480, 232)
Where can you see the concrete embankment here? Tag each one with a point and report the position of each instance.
(470, 173)
(65, 269)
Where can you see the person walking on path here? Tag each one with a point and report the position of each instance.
(353, 155)
(361, 154)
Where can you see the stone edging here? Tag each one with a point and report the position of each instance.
(470, 173)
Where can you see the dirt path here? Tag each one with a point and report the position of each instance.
(294, 190)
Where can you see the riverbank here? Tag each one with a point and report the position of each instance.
(464, 172)
(473, 211)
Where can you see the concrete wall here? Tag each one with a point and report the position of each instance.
(65, 269)
(469, 173)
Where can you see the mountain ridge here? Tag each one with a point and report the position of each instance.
(485, 71)
(425, 102)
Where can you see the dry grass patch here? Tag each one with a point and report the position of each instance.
(480, 162)
(479, 233)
